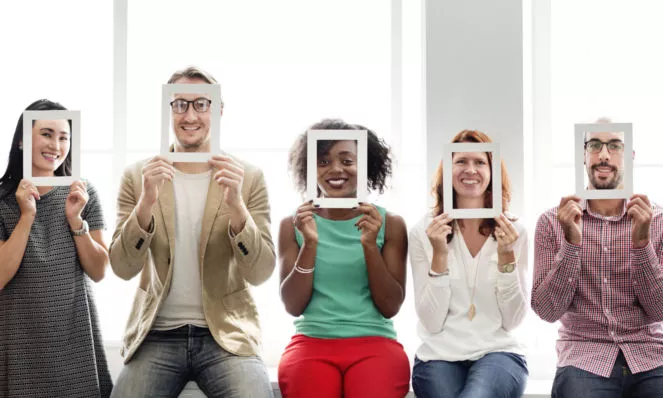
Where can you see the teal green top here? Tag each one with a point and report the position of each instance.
(341, 305)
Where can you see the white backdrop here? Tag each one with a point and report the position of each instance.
(298, 61)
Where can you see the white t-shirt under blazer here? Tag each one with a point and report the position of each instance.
(184, 303)
(442, 302)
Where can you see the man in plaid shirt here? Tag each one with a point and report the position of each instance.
(598, 271)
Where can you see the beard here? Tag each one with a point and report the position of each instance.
(191, 146)
(613, 183)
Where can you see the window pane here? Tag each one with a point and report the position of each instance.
(642, 183)
(604, 63)
(280, 69)
(113, 295)
(62, 51)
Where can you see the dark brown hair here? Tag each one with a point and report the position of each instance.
(379, 155)
(14, 173)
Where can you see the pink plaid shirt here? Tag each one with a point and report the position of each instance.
(607, 294)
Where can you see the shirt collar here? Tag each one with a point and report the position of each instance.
(584, 204)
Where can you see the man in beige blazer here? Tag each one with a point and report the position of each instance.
(198, 234)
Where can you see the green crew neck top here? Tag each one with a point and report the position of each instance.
(341, 305)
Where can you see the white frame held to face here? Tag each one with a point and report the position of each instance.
(580, 167)
(313, 136)
(167, 92)
(75, 149)
(496, 178)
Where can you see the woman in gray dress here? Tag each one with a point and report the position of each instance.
(50, 246)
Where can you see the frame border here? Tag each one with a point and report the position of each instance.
(580, 170)
(75, 148)
(496, 176)
(167, 91)
(312, 170)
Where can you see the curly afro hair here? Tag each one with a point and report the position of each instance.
(379, 155)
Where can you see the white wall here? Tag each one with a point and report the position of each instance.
(474, 73)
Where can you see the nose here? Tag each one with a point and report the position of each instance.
(471, 168)
(604, 154)
(337, 167)
(190, 114)
(54, 143)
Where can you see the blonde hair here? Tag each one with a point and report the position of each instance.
(193, 72)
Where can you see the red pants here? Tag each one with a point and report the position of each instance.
(358, 367)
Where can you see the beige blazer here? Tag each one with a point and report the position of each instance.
(228, 265)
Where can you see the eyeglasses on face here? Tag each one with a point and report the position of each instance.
(596, 145)
(200, 105)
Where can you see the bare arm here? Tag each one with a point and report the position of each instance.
(296, 286)
(93, 253)
(386, 268)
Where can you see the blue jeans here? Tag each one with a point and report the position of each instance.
(571, 382)
(167, 360)
(496, 375)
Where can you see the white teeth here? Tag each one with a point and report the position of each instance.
(336, 182)
(470, 182)
(50, 156)
(190, 128)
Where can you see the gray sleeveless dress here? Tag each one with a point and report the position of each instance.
(50, 344)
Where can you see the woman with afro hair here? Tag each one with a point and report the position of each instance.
(342, 273)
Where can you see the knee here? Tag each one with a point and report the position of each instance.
(567, 383)
(393, 381)
(437, 378)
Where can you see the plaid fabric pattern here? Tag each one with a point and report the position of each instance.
(607, 294)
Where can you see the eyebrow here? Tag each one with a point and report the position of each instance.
(199, 96)
(50, 130)
(612, 140)
(342, 153)
(470, 157)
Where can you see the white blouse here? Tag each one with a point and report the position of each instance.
(442, 303)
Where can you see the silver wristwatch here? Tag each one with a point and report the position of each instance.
(80, 232)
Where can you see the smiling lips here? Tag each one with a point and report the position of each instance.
(51, 157)
(190, 128)
(468, 181)
(337, 183)
(604, 171)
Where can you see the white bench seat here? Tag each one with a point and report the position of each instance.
(535, 388)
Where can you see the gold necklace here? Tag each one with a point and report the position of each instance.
(472, 311)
